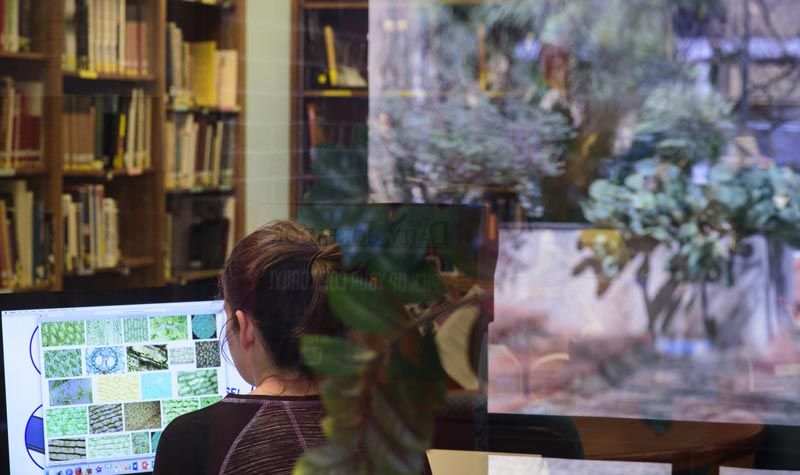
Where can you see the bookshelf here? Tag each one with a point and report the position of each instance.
(66, 153)
(327, 109)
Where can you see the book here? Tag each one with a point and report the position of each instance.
(227, 74)
(31, 110)
(20, 202)
(70, 54)
(8, 106)
(25, 26)
(330, 53)
(6, 259)
(204, 72)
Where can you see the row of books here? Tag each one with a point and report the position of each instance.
(21, 107)
(25, 237)
(199, 74)
(108, 131)
(16, 25)
(199, 230)
(91, 229)
(107, 36)
(200, 151)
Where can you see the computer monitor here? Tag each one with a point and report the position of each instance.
(91, 379)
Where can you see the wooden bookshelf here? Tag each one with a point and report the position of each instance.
(141, 194)
(221, 22)
(317, 88)
(24, 56)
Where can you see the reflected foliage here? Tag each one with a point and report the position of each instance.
(383, 385)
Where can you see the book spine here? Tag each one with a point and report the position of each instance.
(12, 37)
(330, 51)
(82, 33)
(122, 61)
(25, 25)
(3, 26)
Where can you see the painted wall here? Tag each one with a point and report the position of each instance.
(268, 40)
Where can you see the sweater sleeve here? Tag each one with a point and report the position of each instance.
(179, 450)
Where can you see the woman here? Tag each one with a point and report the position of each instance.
(273, 286)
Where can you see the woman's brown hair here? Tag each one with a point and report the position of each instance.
(277, 274)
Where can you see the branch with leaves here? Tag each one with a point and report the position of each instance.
(383, 385)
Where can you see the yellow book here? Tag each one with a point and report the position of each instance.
(204, 72)
(330, 51)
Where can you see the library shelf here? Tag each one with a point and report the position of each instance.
(136, 262)
(28, 56)
(107, 175)
(85, 75)
(125, 266)
(40, 287)
(204, 110)
(201, 190)
(30, 170)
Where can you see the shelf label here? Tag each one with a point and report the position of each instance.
(337, 93)
(87, 74)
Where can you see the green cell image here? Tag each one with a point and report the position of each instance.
(207, 354)
(181, 355)
(65, 421)
(154, 438)
(103, 332)
(118, 388)
(63, 363)
(204, 327)
(105, 360)
(140, 442)
(136, 330)
(105, 418)
(197, 383)
(142, 415)
(156, 385)
(147, 358)
(63, 333)
(207, 401)
(169, 328)
(62, 450)
(172, 408)
(69, 392)
(109, 446)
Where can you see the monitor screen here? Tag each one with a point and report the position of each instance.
(90, 388)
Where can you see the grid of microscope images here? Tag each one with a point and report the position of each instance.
(111, 386)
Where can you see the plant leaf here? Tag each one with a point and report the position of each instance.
(334, 357)
(361, 305)
(418, 284)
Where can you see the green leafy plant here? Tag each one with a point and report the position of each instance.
(451, 150)
(383, 385)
